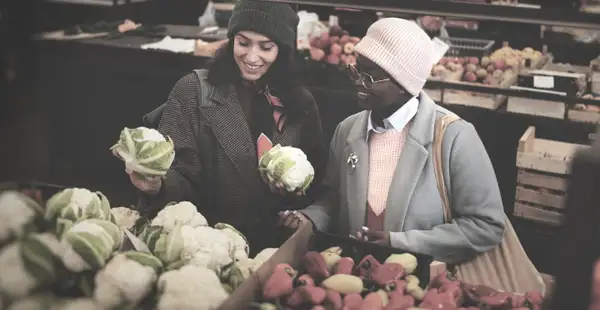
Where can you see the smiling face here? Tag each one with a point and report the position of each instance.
(383, 93)
(254, 54)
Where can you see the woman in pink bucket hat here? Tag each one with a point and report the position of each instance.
(381, 179)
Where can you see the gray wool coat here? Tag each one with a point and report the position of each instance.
(414, 212)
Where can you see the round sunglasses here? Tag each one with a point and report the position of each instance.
(366, 80)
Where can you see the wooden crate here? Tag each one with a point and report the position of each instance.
(536, 107)
(583, 116)
(480, 100)
(543, 167)
(436, 94)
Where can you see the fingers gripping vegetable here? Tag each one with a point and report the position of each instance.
(280, 283)
(126, 280)
(19, 215)
(28, 264)
(75, 204)
(289, 166)
(145, 151)
(89, 243)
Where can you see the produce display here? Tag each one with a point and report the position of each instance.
(501, 65)
(334, 47)
(588, 107)
(329, 281)
(287, 166)
(145, 151)
(77, 252)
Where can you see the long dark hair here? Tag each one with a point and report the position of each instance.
(282, 76)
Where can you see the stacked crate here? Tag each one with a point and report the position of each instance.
(543, 167)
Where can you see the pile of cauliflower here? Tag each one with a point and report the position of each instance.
(76, 252)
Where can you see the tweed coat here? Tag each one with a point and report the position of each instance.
(216, 164)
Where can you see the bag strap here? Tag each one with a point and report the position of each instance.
(441, 125)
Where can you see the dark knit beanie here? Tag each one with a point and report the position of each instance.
(277, 21)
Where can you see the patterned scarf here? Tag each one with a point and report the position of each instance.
(278, 109)
(264, 144)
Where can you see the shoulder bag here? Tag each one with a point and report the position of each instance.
(505, 267)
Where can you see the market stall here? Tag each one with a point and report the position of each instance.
(93, 87)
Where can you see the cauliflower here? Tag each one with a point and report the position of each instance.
(289, 166)
(28, 264)
(207, 247)
(34, 302)
(77, 304)
(18, 214)
(75, 204)
(50, 302)
(89, 244)
(262, 257)
(183, 213)
(235, 274)
(241, 244)
(125, 217)
(123, 282)
(190, 288)
(145, 151)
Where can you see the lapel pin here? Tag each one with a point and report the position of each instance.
(352, 160)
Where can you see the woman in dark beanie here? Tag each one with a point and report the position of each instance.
(216, 116)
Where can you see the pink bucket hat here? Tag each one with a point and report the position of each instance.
(402, 49)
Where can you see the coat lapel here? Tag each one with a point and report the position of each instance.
(291, 135)
(357, 177)
(410, 166)
(223, 112)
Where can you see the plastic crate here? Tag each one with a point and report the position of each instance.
(462, 47)
(357, 249)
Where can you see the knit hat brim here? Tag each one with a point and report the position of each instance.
(277, 21)
(372, 50)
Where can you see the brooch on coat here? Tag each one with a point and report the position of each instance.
(352, 160)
